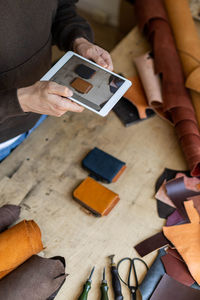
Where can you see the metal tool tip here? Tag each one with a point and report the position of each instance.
(91, 273)
(104, 273)
(112, 258)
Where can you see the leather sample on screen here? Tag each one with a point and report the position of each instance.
(178, 193)
(84, 71)
(103, 166)
(81, 85)
(18, 243)
(168, 288)
(155, 242)
(188, 45)
(177, 269)
(128, 113)
(150, 81)
(153, 20)
(36, 279)
(136, 95)
(153, 276)
(95, 197)
(8, 215)
(186, 239)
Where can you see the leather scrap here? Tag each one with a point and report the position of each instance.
(37, 279)
(8, 215)
(186, 239)
(152, 243)
(154, 22)
(168, 288)
(177, 269)
(174, 219)
(178, 193)
(18, 243)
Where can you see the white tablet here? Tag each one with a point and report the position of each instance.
(93, 86)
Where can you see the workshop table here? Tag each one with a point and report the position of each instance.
(41, 174)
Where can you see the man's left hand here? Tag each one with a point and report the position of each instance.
(93, 52)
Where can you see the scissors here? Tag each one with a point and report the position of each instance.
(132, 268)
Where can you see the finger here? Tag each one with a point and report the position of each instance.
(62, 104)
(107, 58)
(100, 61)
(58, 89)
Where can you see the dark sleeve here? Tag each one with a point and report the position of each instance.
(10, 106)
(68, 25)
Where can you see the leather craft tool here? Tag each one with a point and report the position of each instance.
(133, 288)
(116, 285)
(104, 288)
(87, 287)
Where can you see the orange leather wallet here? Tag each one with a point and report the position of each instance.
(95, 197)
(81, 85)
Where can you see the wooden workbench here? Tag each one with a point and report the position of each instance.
(41, 174)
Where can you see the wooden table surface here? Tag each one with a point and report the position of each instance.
(41, 174)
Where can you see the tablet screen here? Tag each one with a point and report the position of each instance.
(91, 85)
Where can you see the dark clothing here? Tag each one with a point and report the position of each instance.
(28, 29)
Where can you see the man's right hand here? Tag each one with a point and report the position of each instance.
(46, 97)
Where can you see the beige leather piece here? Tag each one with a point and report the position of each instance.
(150, 80)
(188, 44)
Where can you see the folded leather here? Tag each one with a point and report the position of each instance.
(186, 239)
(153, 20)
(81, 86)
(178, 193)
(153, 276)
(136, 95)
(95, 197)
(127, 112)
(36, 279)
(17, 244)
(168, 288)
(103, 165)
(188, 45)
(164, 210)
(8, 215)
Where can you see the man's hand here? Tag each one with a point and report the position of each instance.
(93, 52)
(46, 97)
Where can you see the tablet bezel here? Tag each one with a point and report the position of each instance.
(110, 103)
